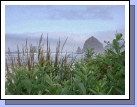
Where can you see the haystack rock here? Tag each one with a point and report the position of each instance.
(92, 42)
(79, 50)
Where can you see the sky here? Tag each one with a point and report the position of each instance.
(77, 22)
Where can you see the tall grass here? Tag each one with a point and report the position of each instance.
(43, 57)
(104, 74)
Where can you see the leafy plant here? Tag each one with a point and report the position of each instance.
(97, 74)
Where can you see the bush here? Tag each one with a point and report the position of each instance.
(102, 75)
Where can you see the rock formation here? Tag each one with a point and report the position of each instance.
(79, 50)
(92, 42)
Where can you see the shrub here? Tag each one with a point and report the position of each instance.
(102, 75)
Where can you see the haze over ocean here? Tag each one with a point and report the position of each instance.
(78, 23)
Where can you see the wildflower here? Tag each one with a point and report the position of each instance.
(109, 66)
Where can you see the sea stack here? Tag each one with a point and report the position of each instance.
(92, 42)
(79, 50)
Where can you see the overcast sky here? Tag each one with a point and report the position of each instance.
(77, 23)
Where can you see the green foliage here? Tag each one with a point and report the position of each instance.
(102, 75)
(89, 53)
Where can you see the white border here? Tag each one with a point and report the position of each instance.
(126, 96)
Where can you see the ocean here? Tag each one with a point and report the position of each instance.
(70, 56)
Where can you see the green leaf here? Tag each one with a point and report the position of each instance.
(107, 61)
(39, 68)
(13, 77)
(52, 90)
(91, 80)
(118, 36)
(66, 83)
(105, 89)
(104, 84)
(17, 72)
(110, 90)
(116, 46)
(111, 52)
(64, 90)
(60, 74)
(94, 92)
(119, 90)
(49, 69)
(80, 86)
(101, 93)
(27, 84)
(109, 75)
(48, 80)
(81, 76)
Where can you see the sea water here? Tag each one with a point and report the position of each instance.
(23, 58)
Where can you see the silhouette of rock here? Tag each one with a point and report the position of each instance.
(79, 50)
(92, 42)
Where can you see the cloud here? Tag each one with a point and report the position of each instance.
(81, 13)
(73, 41)
(67, 12)
(108, 35)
